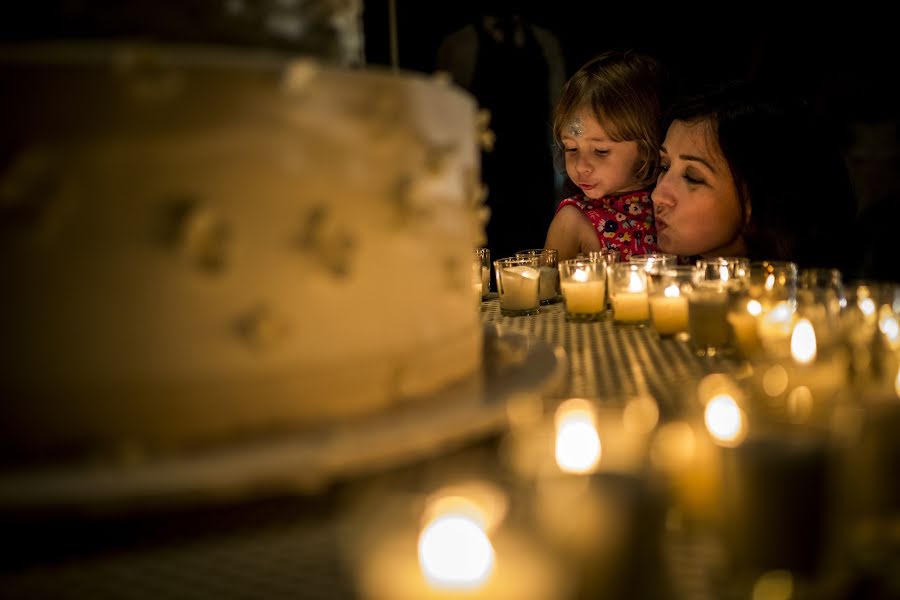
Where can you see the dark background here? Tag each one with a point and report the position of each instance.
(845, 62)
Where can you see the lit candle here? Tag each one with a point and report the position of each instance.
(725, 420)
(823, 376)
(577, 441)
(455, 552)
(774, 329)
(744, 324)
(631, 305)
(583, 285)
(669, 311)
(583, 295)
(461, 548)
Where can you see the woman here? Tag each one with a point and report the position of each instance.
(746, 173)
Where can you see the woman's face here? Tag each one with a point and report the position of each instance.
(595, 163)
(696, 202)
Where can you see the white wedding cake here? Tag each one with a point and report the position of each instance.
(199, 245)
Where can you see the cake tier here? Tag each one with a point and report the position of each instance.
(202, 244)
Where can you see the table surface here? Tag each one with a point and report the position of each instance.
(612, 362)
(290, 546)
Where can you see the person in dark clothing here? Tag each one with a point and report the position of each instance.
(514, 69)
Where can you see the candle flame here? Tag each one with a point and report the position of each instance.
(455, 552)
(754, 308)
(780, 313)
(672, 291)
(888, 325)
(724, 420)
(803, 342)
(635, 283)
(770, 282)
(577, 441)
(580, 275)
(867, 306)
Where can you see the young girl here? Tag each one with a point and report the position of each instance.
(608, 124)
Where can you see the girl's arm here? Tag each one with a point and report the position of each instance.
(571, 232)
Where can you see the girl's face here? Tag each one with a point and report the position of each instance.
(595, 163)
(696, 202)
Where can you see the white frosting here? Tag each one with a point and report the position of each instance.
(243, 252)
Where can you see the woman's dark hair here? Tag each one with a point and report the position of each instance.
(790, 175)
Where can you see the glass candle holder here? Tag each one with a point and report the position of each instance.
(708, 325)
(483, 258)
(820, 293)
(669, 288)
(628, 294)
(548, 265)
(870, 327)
(653, 262)
(583, 283)
(773, 483)
(744, 312)
(772, 282)
(611, 256)
(518, 282)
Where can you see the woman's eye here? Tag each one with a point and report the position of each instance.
(601, 152)
(569, 150)
(692, 180)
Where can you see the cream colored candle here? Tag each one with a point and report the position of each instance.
(519, 288)
(774, 329)
(485, 282)
(669, 311)
(630, 302)
(549, 283)
(823, 377)
(744, 323)
(631, 307)
(586, 297)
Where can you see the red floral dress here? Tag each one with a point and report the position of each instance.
(623, 221)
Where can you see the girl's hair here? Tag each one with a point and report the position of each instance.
(623, 90)
(789, 175)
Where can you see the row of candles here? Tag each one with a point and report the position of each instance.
(789, 460)
(761, 311)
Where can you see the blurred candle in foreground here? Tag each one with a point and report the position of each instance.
(454, 552)
(724, 420)
(577, 441)
(803, 342)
